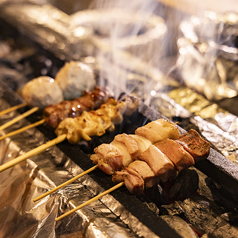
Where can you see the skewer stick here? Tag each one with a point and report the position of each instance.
(66, 183)
(12, 108)
(35, 151)
(22, 129)
(90, 201)
(18, 118)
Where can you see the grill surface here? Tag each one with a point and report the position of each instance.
(216, 167)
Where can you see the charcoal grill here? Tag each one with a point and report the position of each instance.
(219, 173)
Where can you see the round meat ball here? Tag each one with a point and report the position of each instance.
(74, 78)
(42, 92)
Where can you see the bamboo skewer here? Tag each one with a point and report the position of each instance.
(12, 108)
(22, 129)
(18, 118)
(66, 183)
(90, 201)
(35, 151)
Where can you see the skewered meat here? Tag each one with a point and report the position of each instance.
(159, 163)
(42, 91)
(133, 181)
(108, 157)
(158, 130)
(142, 142)
(195, 145)
(126, 151)
(75, 77)
(130, 143)
(130, 147)
(144, 170)
(54, 114)
(176, 153)
(94, 123)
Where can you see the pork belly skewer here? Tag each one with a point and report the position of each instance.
(53, 114)
(83, 127)
(152, 168)
(69, 83)
(124, 149)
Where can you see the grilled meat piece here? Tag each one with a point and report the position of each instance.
(108, 157)
(133, 181)
(195, 145)
(144, 170)
(125, 150)
(176, 153)
(158, 130)
(130, 143)
(142, 142)
(54, 114)
(94, 123)
(159, 163)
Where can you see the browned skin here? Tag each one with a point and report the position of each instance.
(144, 170)
(54, 114)
(133, 181)
(176, 153)
(195, 145)
(159, 163)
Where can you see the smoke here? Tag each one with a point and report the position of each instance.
(132, 43)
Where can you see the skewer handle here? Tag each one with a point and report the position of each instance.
(32, 152)
(12, 109)
(22, 129)
(66, 183)
(18, 118)
(90, 201)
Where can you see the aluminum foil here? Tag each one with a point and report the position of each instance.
(208, 54)
(21, 217)
(48, 26)
(217, 125)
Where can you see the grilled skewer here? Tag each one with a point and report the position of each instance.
(70, 82)
(125, 148)
(104, 118)
(54, 114)
(141, 174)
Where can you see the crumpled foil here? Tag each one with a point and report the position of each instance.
(49, 27)
(21, 217)
(208, 54)
(216, 124)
